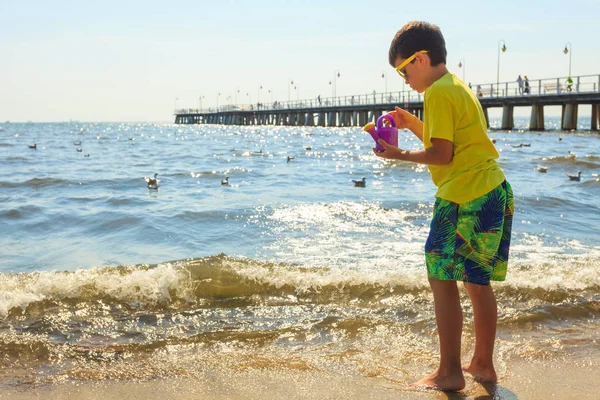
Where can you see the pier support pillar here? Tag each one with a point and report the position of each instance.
(595, 117)
(536, 122)
(331, 119)
(508, 122)
(347, 118)
(363, 118)
(310, 120)
(569, 117)
(321, 119)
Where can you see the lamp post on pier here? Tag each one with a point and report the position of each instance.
(290, 82)
(463, 65)
(384, 76)
(258, 95)
(570, 52)
(336, 74)
(503, 48)
(271, 93)
(200, 102)
(218, 101)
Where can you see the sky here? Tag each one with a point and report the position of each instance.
(138, 60)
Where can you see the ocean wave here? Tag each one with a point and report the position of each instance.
(572, 161)
(214, 281)
(36, 183)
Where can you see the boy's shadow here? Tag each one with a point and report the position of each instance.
(493, 392)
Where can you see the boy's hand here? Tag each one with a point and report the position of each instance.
(403, 119)
(390, 152)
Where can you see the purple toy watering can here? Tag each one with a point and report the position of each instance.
(387, 133)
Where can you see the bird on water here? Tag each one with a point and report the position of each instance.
(576, 178)
(361, 183)
(152, 182)
(225, 182)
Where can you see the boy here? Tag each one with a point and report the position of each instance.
(472, 217)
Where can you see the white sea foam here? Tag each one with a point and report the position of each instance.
(129, 284)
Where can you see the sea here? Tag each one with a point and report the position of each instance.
(290, 265)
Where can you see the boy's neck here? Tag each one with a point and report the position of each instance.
(436, 73)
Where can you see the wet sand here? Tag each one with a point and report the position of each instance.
(571, 379)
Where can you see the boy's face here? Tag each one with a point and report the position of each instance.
(413, 70)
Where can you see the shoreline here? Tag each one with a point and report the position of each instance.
(523, 379)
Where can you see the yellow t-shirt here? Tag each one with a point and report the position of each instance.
(452, 112)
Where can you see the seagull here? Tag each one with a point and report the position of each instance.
(290, 158)
(79, 149)
(258, 152)
(560, 138)
(77, 143)
(576, 178)
(152, 182)
(572, 155)
(361, 183)
(308, 148)
(86, 155)
(517, 145)
(33, 147)
(542, 169)
(225, 182)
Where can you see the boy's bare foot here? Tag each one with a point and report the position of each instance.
(485, 372)
(436, 380)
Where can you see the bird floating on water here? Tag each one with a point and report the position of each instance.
(541, 169)
(77, 143)
(571, 155)
(289, 158)
(225, 182)
(86, 155)
(152, 182)
(79, 149)
(33, 147)
(361, 183)
(576, 178)
(308, 148)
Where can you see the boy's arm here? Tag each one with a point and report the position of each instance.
(404, 119)
(417, 128)
(440, 153)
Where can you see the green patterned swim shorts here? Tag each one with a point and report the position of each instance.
(470, 242)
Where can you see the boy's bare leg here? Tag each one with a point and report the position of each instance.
(485, 314)
(448, 316)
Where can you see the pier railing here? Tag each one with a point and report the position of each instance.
(534, 87)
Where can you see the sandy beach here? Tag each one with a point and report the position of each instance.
(569, 379)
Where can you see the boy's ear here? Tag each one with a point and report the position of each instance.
(424, 59)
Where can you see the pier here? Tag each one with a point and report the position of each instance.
(357, 110)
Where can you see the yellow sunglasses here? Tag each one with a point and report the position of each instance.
(400, 67)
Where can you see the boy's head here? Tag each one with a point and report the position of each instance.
(423, 67)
